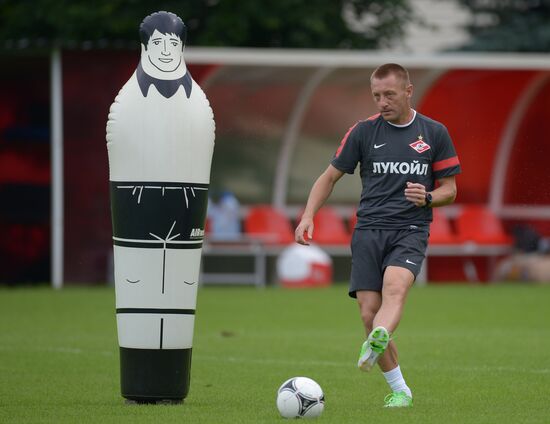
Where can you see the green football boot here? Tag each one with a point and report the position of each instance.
(398, 400)
(376, 344)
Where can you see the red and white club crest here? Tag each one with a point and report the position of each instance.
(420, 145)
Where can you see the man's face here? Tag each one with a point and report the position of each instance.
(164, 51)
(392, 97)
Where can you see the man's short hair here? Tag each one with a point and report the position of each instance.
(163, 22)
(391, 68)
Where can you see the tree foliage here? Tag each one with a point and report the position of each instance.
(230, 23)
(509, 25)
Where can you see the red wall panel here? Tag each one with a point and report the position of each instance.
(474, 105)
(528, 176)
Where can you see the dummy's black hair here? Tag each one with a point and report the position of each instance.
(163, 22)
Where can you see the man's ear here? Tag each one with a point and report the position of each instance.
(143, 48)
(410, 90)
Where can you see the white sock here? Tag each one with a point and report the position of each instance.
(396, 381)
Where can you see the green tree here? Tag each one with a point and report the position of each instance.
(509, 25)
(232, 23)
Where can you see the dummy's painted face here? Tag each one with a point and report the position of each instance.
(164, 51)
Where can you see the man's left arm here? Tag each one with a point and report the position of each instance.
(444, 194)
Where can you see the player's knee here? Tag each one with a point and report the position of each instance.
(367, 316)
(395, 291)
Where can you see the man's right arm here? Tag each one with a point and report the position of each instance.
(318, 195)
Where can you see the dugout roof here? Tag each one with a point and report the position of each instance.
(288, 110)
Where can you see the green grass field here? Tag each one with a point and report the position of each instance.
(471, 354)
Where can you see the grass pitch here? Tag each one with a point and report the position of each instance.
(471, 354)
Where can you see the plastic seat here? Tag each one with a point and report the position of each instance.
(441, 231)
(329, 227)
(268, 224)
(478, 224)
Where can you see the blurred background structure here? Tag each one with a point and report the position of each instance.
(285, 79)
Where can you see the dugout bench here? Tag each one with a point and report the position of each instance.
(259, 251)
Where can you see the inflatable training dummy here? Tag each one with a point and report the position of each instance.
(160, 140)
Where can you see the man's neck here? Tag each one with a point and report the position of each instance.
(406, 120)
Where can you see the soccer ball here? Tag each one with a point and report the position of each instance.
(300, 397)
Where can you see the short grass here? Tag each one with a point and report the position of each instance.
(471, 354)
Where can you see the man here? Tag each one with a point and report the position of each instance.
(401, 154)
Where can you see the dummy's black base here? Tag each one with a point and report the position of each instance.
(155, 375)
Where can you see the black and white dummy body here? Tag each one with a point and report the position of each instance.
(160, 140)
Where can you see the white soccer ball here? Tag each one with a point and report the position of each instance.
(300, 397)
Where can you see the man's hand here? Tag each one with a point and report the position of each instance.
(304, 228)
(416, 193)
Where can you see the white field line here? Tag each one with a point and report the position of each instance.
(271, 361)
(60, 349)
(304, 363)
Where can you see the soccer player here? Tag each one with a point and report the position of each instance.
(401, 154)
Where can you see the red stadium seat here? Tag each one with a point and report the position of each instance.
(329, 227)
(440, 229)
(479, 225)
(268, 224)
